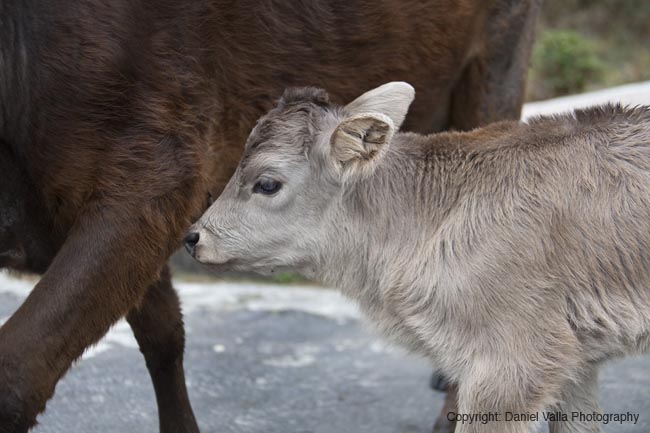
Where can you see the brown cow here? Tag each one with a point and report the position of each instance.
(120, 116)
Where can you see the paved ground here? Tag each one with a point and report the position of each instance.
(273, 359)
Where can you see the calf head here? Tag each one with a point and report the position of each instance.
(299, 161)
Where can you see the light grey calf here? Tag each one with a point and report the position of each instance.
(516, 257)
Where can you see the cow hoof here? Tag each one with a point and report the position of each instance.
(438, 382)
(186, 425)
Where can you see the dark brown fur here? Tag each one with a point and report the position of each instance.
(117, 118)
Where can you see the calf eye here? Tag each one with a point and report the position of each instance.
(267, 186)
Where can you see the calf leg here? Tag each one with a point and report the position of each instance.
(158, 327)
(506, 387)
(491, 397)
(579, 396)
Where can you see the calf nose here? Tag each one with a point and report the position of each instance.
(191, 239)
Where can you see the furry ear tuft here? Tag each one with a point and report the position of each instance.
(361, 139)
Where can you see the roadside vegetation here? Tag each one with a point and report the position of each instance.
(586, 45)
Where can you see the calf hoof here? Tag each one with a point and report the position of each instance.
(438, 381)
(443, 425)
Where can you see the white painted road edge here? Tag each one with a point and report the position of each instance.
(224, 296)
(629, 94)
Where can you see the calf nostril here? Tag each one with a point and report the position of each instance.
(191, 239)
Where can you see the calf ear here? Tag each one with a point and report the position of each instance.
(391, 99)
(361, 138)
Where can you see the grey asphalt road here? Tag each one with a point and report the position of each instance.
(276, 359)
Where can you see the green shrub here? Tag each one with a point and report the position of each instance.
(564, 62)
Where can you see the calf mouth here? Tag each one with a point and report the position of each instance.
(240, 265)
(235, 266)
(223, 265)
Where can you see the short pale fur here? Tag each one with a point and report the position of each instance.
(516, 257)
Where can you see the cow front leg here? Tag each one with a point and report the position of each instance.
(101, 272)
(157, 324)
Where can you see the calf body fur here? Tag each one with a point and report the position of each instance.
(515, 257)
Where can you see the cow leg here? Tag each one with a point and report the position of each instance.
(103, 269)
(158, 327)
(444, 424)
(492, 85)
